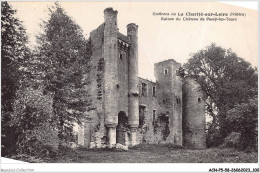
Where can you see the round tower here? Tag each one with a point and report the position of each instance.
(193, 115)
(133, 100)
(110, 52)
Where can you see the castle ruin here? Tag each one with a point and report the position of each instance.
(130, 110)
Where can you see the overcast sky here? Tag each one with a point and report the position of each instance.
(158, 40)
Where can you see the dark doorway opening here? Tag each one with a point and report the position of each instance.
(122, 128)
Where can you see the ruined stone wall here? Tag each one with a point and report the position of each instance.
(147, 131)
(193, 115)
(170, 99)
(122, 79)
(121, 131)
(92, 133)
(81, 134)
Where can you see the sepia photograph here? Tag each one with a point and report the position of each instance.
(129, 82)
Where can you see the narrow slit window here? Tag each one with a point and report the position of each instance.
(166, 72)
(178, 100)
(121, 56)
(154, 91)
(199, 99)
(154, 116)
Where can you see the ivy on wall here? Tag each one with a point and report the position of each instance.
(99, 77)
(162, 124)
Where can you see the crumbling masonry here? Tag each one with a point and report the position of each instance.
(131, 110)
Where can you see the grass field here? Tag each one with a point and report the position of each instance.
(157, 154)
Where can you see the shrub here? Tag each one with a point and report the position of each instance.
(232, 140)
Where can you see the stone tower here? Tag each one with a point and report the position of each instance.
(193, 115)
(133, 92)
(170, 97)
(110, 74)
(114, 85)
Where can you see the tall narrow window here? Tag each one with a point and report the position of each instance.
(166, 72)
(199, 99)
(178, 100)
(154, 116)
(154, 91)
(144, 89)
(121, 56)
(142, 115)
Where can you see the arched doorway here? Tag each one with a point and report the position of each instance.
(121, 130)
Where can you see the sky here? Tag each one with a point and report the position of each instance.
(158, 40)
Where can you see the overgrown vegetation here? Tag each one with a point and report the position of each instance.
(45, 90)
(230, 87)
(14, 55)
(64, 54)
(162, 123)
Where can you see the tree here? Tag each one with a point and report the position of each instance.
(63, 57)
(243, 119)
(226, 80)
(13, 56)
(34, 121)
